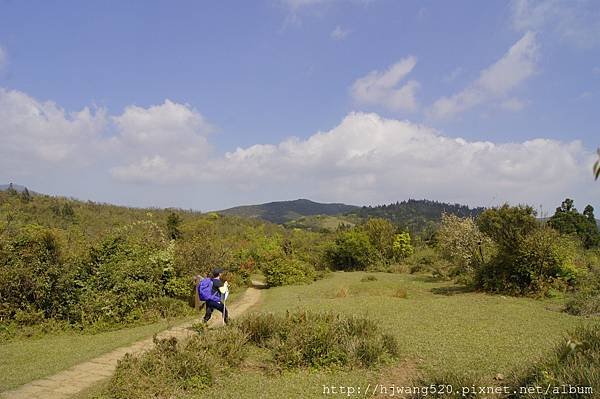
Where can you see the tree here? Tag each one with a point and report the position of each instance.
(402, 247)
(352, 250)
(507, 225)
(530, 259)
(567, 220)
(173, 222)
(381, 234)
(588, 212)
(461, 242)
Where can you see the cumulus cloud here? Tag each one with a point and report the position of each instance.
(339, 34)
(383, 87)
(161, 143)
(369, 158)
(364, 159)
(44, 133)
(496, 81)
(574, 22)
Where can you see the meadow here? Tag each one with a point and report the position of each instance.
(503, 299)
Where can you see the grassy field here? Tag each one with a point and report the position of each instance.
(438, 326)
(22, 361)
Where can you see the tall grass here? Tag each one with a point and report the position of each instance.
(308, 339)
(574, 362)
(296, 340)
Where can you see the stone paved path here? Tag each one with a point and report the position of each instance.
(82, 376)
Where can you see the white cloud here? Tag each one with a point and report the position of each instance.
(382, 88)
(161, 143)
(339, 34)
(34, 133)
(575, 22)
(365, 159)
(371, 159)
(494, 82)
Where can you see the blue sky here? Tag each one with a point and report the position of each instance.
(206, 105)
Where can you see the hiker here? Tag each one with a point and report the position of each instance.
(214, 291)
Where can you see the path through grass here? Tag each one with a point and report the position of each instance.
(463, 332)
(24, 360)
(438, 326)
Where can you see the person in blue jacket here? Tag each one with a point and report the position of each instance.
(213, 299)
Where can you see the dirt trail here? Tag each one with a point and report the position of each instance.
(82, 376)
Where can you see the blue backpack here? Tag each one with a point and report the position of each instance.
(205, 289)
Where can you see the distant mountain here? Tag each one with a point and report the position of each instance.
(285, 211)
(16, 187)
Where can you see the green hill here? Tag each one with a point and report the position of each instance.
(416, 215)
(284, 211)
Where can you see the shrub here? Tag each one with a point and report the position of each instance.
(306, 339)
(461, 243)
(287, 271)
(34, 275)
(542, 260)
(586, 300)
(172, 368)
(529, 259)
(381, 234)
(507, 225)
(427, 259)
(165, 371)
(402, 247)
(351, 250)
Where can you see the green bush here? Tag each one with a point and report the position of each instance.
(287, 271)
(586, 300)
(542, 260)
(402, 247)
(351, 250)
(35, 277)
(381, 235)
(305, 339)
(165, 371)
(529, 259)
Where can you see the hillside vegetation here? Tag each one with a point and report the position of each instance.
(73, 264)
(284, 211)
(68, 265)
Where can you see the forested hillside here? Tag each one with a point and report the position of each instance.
(285, 211)
(417, 215)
